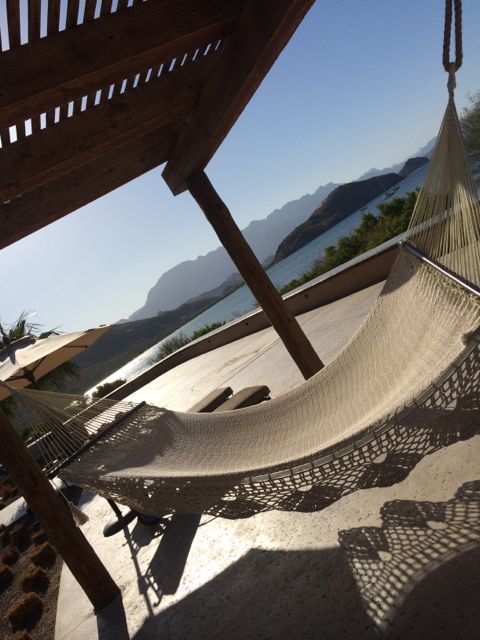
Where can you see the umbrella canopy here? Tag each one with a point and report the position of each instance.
(28, 359)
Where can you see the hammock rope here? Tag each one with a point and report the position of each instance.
(407, 384)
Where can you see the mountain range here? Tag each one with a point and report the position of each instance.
(191, 277)
(342, 202)
(205, 275)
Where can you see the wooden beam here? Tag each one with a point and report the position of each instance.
(262, 31)
(283, 321)
(73, 190)
(67, 65)
(77, 140)
(55, 517)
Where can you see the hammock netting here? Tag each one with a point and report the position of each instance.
(406, 385)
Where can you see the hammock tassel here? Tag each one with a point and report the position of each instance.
(78, 515)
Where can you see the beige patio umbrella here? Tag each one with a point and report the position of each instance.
(28, 359)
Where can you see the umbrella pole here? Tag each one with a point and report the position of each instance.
(56, 519)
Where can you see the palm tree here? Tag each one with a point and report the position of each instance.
(21, 328)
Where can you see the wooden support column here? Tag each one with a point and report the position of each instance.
(283, 321)
(56, 519)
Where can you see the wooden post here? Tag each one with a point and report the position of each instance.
(283, 321)
(56, 519)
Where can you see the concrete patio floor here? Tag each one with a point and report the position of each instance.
(289, 575)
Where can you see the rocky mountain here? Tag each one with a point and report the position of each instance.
(339, 204)
(184, 281)
(411, 165)
(425, 151)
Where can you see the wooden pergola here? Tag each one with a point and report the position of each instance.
(88, 103)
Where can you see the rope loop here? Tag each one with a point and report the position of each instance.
(449, 6)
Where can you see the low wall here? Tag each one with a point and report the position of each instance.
(357, 274)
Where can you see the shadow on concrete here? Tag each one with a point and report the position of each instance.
(414, 577)
(270, 594)
(168, 563)
(418, 574)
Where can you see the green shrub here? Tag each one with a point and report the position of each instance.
(20, 536)
(34, 580)
(180, 340)
(206, 329)
(39, 537)
(25, 612)
(4, 536)
(104, 389)
(20, 635)
(6, 576)
(43, 555)
(10, 556)
(393, 219)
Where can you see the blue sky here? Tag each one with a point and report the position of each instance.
(359, 85)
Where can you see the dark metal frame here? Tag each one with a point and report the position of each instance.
(448, 273)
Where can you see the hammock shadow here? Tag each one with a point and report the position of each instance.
(418, 572)
(166, 567)
(414, 577)
(253, 599)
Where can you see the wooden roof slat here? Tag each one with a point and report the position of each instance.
(89, 14)
(35, 160)
(261, 32)
(13, 17)
(73, 190)
(72, 13)
(33, 20)
(69, 64)
(53, 18)
(105, 7)
(5, 136)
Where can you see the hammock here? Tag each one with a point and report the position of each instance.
(406, 384)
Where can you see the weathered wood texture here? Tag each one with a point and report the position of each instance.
(254, 275)
(70, 191)
(262, 31)
(70, 64)
(56, 519)
(58, 149)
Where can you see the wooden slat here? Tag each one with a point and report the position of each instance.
(13, 17)
(94, 132)
(89, 10)
(61, 196)
(50, 71)
(33, 20)
(53, 20)
(262, 31)
(72, 13)
(5, 136)
(106, 7)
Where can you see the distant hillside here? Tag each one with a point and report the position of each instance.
(425, 151)
(341, 202)
(192, 277)
(411, 165)
(126, 340)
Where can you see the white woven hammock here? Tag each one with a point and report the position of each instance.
(406, 385)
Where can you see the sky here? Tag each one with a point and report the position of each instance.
(360, 85)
